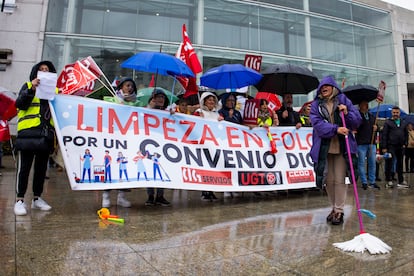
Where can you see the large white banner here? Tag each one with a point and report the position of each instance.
(111, 146)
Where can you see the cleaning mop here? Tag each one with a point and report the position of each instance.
(364, 241)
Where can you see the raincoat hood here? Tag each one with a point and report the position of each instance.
(327, 81)
(35, 69)
(204, 96)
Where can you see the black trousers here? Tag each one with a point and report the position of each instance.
(25, 160)
(397, 154)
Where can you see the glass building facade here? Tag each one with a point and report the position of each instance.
(349, 40)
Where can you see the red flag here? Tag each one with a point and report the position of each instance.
(152, 82)
(273, 101)
(251, 111)
(4, 131)
(75, 77)
(188, 55)
(7, 107)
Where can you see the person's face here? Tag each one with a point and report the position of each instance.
(210, 102)
(43, 68)
(263, 106)
(159, 100)
(363, 106)
(128, 88)
(395, 113)
(288, 100)
(410, 127)
(326, 91)
(183, 106)
(230, 102)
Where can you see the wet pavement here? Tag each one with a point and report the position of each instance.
(281, 234)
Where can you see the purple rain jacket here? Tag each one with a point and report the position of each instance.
(323, 129)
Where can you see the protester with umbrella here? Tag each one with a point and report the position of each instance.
(288, 116)
(360, 95)
(229, 111)
(328, 147)
(158, 100)
(287, 79)
(366, 147)
(208, 110)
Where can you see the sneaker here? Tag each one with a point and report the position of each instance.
(40, 204)
(122, 201)
(374, 186)
(106, 200)
(389, 184)
(150, 201)
(162, 201)
(337, 218)
(403, 185)
(364, 186)
(20, 208)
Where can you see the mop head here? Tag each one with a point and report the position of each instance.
(364, 241)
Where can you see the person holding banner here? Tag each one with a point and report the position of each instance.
(229, 111)
(328, 147)
(35, 140)
(158, 100)
(209, 110)
(287, 116)
(126, 93)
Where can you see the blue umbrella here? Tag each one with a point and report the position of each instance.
(384, 111)
(159, 63)
(230, 76)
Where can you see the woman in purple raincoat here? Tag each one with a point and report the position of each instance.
(329, 149)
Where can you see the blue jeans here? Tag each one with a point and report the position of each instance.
(368, 152)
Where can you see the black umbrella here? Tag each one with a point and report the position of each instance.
(360, 92)
(287, 79)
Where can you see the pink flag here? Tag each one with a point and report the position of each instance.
(381, 91)
(90, 63)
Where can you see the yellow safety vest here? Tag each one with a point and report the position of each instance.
(268, 121)
(30, 117)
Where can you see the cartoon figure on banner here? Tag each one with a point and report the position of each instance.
(87, 160)
(107, 162)
(157, 167)
(122, 161)
(139, 160)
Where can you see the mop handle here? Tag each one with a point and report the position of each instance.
(361, 226)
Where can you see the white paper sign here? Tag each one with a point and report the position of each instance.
(47, 86)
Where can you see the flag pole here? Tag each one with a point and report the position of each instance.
(380, 98)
